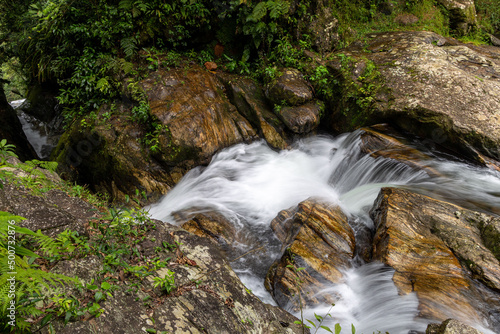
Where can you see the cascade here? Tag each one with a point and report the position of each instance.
(250, 183)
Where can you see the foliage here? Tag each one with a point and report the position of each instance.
(167, 283)
(31, 284)
(6, 151)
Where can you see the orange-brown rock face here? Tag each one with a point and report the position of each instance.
(379, 144)
(425, 241)
(317, 237)
(192, 104)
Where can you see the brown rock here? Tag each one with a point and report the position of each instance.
(211, 66)
(195, 120)
(212, 225)
(421, 239)
(379, 144)
(317, 237)
(302, 119)
(289, 88)
(250, 101)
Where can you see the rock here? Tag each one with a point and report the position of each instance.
(289, 88)
(41, 102)
(302, 119)
(211, 66)
(378, 142)
(319, 23)
(451, 326)
(426, 242)
(250, 101)
(405, 19)
(494, 40)
(217, 303)
(431, 86)
(317, 237)
(462, 14)
(196, 120)
(51, 212)
(206, 296)
(12, 130)
(214, 226)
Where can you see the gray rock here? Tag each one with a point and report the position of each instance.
(435, 87)
(451, 326)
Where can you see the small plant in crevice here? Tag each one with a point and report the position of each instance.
(167, 283)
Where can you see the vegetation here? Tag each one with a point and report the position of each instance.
(40, 295)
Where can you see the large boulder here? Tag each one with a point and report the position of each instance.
(318, 238)
(434, 87)
(194, 120)
(438, 251)
(12, 130)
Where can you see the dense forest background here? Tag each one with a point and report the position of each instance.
(84, 49)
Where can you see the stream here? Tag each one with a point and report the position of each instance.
(250, 183)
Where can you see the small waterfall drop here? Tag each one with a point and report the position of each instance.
(250, 183)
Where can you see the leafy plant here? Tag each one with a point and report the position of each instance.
(167, 283)
(20, 281)
(6, 151)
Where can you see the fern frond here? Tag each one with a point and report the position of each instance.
(129, 46)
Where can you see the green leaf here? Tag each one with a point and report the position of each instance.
(318, 317)
(338, 328)
(105, 286)
(311, 322)
(326, 329)
(353, 329)
(98, 296)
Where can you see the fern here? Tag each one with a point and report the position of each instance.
(31, 284)
(259, 11)
(129, 46)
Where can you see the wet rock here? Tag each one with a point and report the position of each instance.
(302, 119)
(451, 326)
(117, 156)
(435, 252)
(317, 237)
(426, 84)
(290, 88)
(214, 226)
(250, 101)
(378, 142)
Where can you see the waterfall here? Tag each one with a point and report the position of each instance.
(250, 183)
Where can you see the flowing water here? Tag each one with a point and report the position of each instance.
(37, 132)
(250, 183)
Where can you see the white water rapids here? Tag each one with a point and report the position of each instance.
(251, 183)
